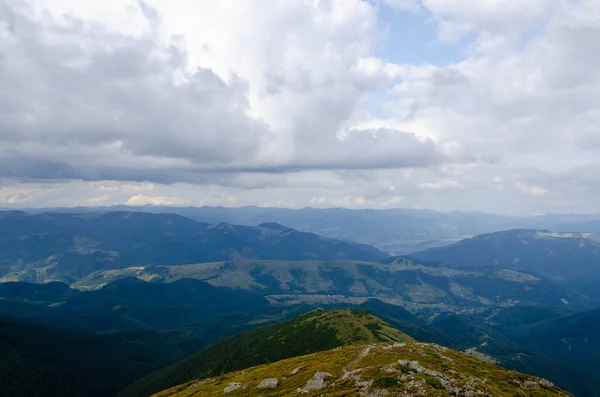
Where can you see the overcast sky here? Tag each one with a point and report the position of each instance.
(445, 104)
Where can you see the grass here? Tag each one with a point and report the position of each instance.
(433, 382)
(377, 366)
(387, 382)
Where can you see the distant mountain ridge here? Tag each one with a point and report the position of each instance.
(397, 231)
(66, 247)
(570, 258)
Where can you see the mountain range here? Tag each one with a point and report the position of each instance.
(396, 231)
(66, 247)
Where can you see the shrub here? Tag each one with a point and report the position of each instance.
(386, 382)
(433, 382)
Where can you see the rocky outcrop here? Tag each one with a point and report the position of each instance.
(269, 383)
(233, 386)
(316, 383)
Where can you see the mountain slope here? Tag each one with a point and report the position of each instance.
(573, 339)
(407, 322)
(66, 247)
(37, 361)
(188, 313)
(315, 331)
(399, 369)
(399, 279)
(570, 257)
(42, 293)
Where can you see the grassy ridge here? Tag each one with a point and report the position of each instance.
(308, 333)
(402, 369)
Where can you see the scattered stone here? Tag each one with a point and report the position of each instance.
(322, 375)
(296, 370)
(395, 345)
(415, 366)
(232, 387)
(268, 383)
(200, 382)
(545, 383)
(530, 385)
(316, 383)
(535, 384)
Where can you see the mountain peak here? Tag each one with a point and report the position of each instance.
(274, 226)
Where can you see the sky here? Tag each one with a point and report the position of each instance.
(444, 104)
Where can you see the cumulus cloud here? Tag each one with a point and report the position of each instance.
(297, 102)
(84, 100)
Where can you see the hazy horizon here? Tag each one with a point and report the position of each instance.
(150, 206)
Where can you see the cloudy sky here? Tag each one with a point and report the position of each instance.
(446, 104)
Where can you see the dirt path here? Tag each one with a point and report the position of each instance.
(362, 355)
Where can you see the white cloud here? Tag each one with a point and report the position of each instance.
(260, 101)
(441, 185)
(529, 190)
(114, 95)
(141, 199)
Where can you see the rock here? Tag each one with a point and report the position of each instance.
(268, 383)
(530, 385)
(296, 370)
(395, 345)
(535, 384)
(322, 375)
(415, 366)
(316, 383)
(232, 386)
(546, 383)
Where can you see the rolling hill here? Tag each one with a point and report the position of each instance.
(372, 364)
(66, 247)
